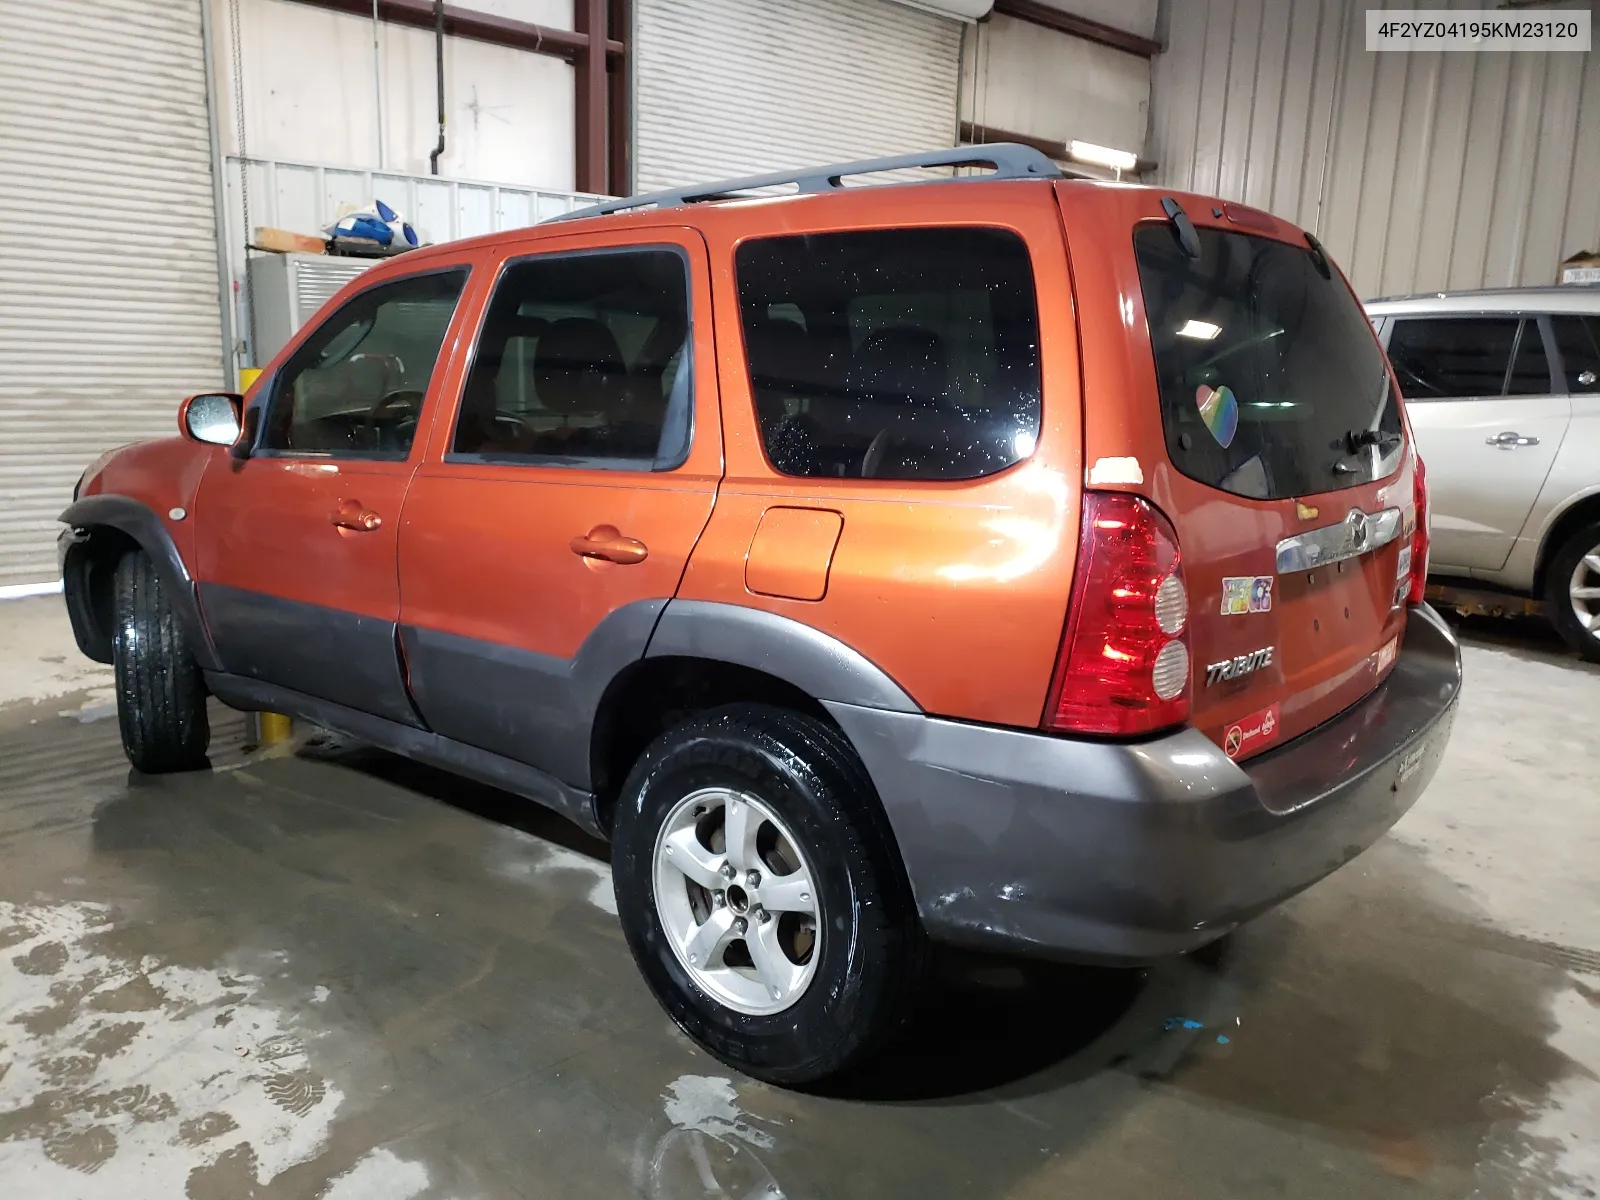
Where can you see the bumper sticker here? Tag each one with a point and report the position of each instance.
(1243, 594)
(1251, 733)
(1219, 411)
(1386, 654)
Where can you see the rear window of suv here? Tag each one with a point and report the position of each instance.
(892, 354)
(1272, 384)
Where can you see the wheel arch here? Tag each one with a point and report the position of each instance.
(703, 655)
(1579, 514)
(101, 529)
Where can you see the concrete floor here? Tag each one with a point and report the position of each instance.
(329, 973)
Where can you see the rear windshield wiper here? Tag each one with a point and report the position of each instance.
(1357, 439)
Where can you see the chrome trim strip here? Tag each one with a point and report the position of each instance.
(1352, 537)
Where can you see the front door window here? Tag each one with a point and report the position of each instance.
(355, 387)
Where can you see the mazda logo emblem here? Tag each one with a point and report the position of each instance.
(1357, 521)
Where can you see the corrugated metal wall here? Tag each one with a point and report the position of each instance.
(727, 87)
(109, 310)
(1418, 171)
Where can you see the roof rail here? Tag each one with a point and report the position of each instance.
(1009, 160)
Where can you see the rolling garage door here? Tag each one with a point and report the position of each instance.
(729, 87)
(108, 251)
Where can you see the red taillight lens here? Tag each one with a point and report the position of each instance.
(1124, 664)
(1419, 535)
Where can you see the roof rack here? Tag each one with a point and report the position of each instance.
(1009, 160)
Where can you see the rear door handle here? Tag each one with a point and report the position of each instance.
(606, 542)
(1510, 440)
(350, 514)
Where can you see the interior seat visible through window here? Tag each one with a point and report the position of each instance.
(583, 361)
(918, 357)
(578, 368)
(781, 368)
(784, 375)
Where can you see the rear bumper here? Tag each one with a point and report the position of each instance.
(1127, 853)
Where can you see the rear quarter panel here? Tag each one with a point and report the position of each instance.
(957, 591)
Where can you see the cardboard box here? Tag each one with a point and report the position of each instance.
(1582, 267)
(285, 242)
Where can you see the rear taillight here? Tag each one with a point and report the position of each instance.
(1419, 533)
(1124, 663)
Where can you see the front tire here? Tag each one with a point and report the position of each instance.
(761, 894)
(1572, 589)
(161, 697)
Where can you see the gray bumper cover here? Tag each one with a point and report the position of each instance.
(1129, 852)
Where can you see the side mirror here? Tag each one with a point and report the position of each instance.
(211, 417)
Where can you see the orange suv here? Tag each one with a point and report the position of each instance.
(1008, 560)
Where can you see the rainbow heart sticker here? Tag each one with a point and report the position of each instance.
(1220, 411)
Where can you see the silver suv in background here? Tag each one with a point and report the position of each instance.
(1503, 392)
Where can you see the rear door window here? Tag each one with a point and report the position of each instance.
(1451, 358)
(892, 354)
(1530, 366)
(583, 361)
(1271, 382)
(1578, 339)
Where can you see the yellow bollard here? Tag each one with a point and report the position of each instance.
(247, 376)
(275, 727)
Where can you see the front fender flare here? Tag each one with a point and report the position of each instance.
(138, 521)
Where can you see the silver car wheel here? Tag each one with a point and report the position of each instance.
(1584, 591)
(735, 897)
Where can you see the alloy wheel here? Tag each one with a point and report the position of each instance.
(736, 900)
(1583, 590)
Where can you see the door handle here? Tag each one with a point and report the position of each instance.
(351, 515)
(605, 542)
(1510, 440)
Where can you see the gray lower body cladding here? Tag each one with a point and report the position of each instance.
(409, 741)
(1107, 852)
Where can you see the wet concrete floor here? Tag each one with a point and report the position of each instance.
(330, 973)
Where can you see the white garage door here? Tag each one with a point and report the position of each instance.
(735, 87)
(108, 258)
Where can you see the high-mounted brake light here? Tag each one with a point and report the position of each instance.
(1124, 662)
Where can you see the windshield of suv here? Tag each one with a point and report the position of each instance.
(1272, 384)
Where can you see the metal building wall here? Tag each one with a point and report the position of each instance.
(729, 87)
(510, 111)
(109, 312)
(1417, 171)
(1020, 77)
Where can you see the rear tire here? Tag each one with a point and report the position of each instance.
(843, 989)
(161, 696)
(1575, 570)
